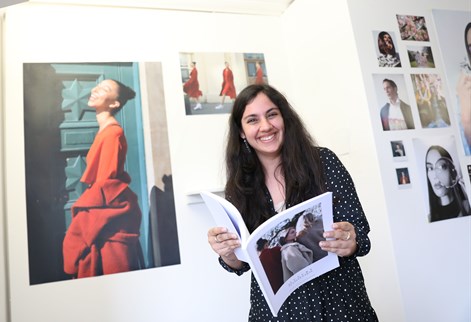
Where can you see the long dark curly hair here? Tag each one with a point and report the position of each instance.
(300, 161)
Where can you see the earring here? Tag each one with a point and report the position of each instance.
(247, 146)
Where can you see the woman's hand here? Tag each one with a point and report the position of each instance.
(224, 243)
(344, 243)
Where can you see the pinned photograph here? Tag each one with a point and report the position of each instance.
(386, 51)
(454, 39)
(398, 151)
(420, 57)
(431, 102)
(412, 28)
(402, 175)
(394, 110)
(444, 187)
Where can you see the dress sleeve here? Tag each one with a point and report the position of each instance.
(347, 206)
(245, 267)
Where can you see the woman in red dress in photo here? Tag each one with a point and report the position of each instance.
(192, 87)
(103, 237)
(258, 74)
(228, 87)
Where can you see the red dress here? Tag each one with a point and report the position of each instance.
(271, 262)
(259, 77)
(192, 86)
(228, 87)
(103, 237)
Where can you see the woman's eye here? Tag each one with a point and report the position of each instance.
(443, 167)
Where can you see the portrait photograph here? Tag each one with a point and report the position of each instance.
(398, 151)
(393, 110)
(420, 57)
(386, 50)
(412, 28)
(92, 207)
(211, 81)
(445, 191)
(402, 175)
(432, 106)
(454, 40)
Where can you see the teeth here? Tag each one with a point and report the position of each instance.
(266, 138)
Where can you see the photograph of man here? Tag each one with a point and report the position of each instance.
(395, 114)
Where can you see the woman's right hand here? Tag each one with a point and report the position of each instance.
(224, 243)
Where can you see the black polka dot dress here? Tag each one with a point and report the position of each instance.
(339, 295)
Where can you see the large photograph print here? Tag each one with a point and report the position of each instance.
(92, 206)
(444, 186)
(454, 39)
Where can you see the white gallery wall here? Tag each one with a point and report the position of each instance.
(314, 55)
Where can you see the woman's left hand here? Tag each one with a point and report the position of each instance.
(344, 243)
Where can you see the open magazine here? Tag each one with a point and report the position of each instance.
(284, 251)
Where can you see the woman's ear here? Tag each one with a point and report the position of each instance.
(115, 104)
(242, 135)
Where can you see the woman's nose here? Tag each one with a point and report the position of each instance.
(265, 124)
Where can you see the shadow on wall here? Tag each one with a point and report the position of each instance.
(163, 225)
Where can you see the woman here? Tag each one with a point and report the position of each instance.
(192, 87)
(447, 197)
(294, 256)
(273, 163)
(389, 57)
(227, 87)
(103, 237)
(258, 74)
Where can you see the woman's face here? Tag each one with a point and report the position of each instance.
(439, 173)
(290, 235)
(104, 95)
(263, 127)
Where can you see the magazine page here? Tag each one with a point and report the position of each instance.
(226, 215)
(284, 252)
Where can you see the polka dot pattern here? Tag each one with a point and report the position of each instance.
(339, 295)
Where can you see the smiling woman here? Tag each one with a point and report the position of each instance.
(272, 161)
(103, 237)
